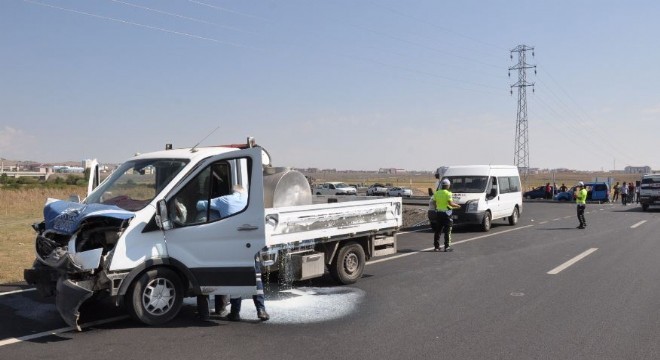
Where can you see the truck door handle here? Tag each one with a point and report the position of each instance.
(247, 227)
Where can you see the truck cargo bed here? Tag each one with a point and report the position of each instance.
(286, 225)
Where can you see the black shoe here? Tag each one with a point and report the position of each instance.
(234, 316)
(263, 315)
(449, 248)
(580, 227)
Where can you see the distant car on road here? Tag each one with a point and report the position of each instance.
(334, 188)
(596, 191)
(399, 191)
(377, 190)
(536, 193)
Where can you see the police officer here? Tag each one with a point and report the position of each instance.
(581, 201)
(443, 209)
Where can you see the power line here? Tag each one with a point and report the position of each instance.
(179, 16)
(198, 37)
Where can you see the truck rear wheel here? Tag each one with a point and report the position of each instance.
(348, 266)
(156, 297)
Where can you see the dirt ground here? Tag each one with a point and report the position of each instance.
(414, 215)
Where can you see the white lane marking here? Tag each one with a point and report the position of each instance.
(566, 217)
(17, 291)
(453, 243)
(570, 262)
(543, 222)
(638, 224)
(601, 209)
(557, 219)
(9, 341)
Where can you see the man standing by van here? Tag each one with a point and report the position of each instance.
(581, 201)
(444, 204)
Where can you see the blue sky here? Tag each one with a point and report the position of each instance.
(346, 84)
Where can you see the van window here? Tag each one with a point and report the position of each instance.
(200, 200)
(600, 187)
(468, 184)
(514, 184)
(504, 184)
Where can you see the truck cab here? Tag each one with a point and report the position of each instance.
(144, 236)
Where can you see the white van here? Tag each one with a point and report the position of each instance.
(485, 193)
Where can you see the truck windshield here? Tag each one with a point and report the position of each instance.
(651, 182)
(135, 183)
(468, 184)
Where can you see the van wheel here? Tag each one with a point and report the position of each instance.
(645, 207)
(156, 297)
(486, 223)
(348, 266)
(513, 219)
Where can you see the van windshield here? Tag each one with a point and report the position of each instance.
(468, 184)
(651, 182)
(135, 183)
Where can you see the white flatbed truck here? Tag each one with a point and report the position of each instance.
(142, 237)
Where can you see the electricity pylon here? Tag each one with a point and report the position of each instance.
(521, 151)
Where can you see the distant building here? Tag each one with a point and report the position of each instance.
(391, 171)
(637, 169)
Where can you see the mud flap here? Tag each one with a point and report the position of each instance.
(69, 297)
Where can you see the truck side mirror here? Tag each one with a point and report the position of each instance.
(162, 217)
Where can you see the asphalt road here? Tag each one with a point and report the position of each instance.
(540, 290)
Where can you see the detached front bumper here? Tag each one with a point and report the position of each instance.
(70, 295)
(70, 277)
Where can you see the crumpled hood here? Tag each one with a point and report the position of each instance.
(65, 216)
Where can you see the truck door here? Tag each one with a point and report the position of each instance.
(218, 243)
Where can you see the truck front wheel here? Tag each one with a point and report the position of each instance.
(156, 297)
(348, 266)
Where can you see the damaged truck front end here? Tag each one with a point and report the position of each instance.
(74, 248)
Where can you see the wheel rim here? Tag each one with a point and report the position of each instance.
(158, 296)
(487, 221)
(351, 263)
(515, 215)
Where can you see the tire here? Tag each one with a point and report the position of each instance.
(513, 219)
(156, 296)
(348, 266)
(645, 207)
(318, 193)
(487, 222)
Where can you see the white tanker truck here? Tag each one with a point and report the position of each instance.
(141, 237)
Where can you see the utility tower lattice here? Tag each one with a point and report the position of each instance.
(521, 151)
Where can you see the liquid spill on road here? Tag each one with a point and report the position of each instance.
(303, 305)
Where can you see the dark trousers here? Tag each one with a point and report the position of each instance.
(616, 196)
(258, 299)
(580, 215)
(624, 199)
(445, 224)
